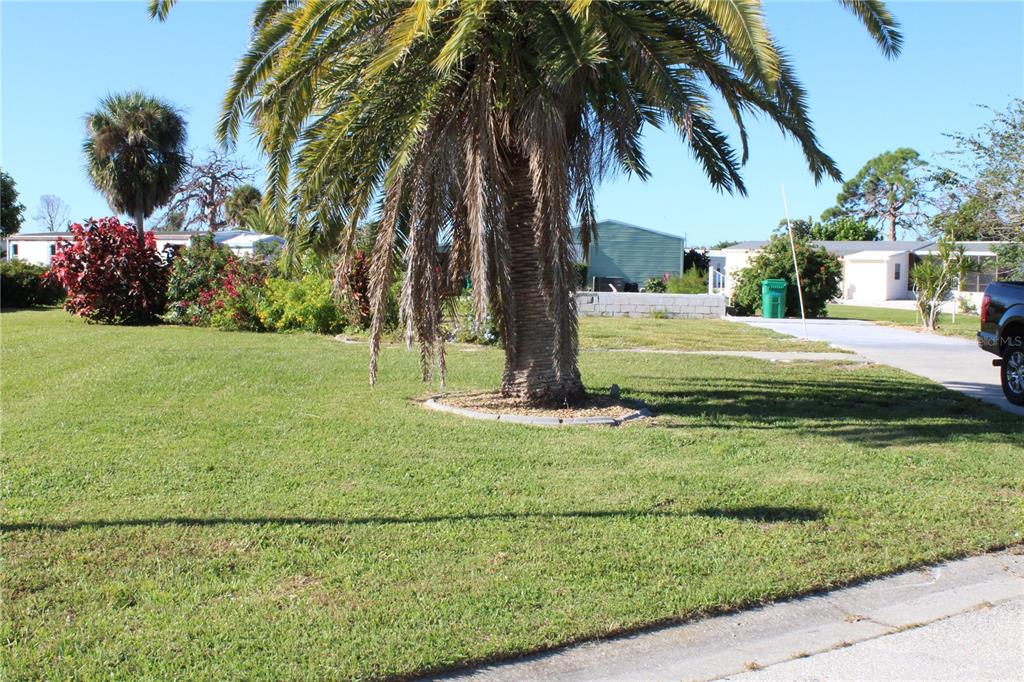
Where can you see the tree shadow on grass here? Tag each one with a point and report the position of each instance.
(874, 411)
(757, 514)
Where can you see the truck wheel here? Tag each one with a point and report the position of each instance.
(1012, 375)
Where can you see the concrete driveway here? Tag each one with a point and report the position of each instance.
(955, 363)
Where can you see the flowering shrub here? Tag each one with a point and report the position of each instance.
(195, 275)
(210, 286)
(108, 275)
(23, 285)
(305, 304)
(240, 295)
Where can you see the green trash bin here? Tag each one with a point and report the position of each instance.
(773, 298)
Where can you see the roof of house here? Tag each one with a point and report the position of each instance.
(747, 246)
(970, 248)
(620, 223)
(220, 236)
(842, 248)
(54, 236)
(248, 240)
(874, 255)
(847, 248)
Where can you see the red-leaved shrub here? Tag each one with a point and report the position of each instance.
(108, 275)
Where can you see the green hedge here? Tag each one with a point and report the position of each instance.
(22, 286)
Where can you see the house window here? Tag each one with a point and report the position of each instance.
(14, 250)
(53, 249)
(897, 277)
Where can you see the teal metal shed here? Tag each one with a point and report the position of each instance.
(633, 253)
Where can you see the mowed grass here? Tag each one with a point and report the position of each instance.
(965, 326)
(686, 335)
(189, 503)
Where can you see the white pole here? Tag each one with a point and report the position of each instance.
(682, 257)
(955, 301)
(796, 266)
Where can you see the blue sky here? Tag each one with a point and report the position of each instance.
(59, 58)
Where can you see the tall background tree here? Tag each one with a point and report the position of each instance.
(837, 229)
(11, 211)
(135, 153)
(52, 212)
(981, 190)
(988, 170)
(172, 221)
(488, 124)
(202, 193)
(888, 190)
(801, 226)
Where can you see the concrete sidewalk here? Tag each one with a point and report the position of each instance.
(975, 645)
(955, 363)
(957, 620)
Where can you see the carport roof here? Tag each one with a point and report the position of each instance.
(849, 248)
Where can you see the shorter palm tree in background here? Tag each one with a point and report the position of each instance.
(135, 151)
(242, 199)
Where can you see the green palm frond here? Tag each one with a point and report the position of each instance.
(879, 22)
(744, 31)
(158, 9)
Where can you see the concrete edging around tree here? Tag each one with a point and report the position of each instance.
(433, 403)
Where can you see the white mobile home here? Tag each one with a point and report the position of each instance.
(39, 248)
(873, 272)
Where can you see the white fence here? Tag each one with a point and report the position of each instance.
(717, 281)
(617, 304)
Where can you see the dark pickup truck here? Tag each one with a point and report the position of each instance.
(1002, 333)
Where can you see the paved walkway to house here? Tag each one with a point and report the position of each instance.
(955, 363)
(957, 620)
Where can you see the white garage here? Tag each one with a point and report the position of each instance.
(876, 276)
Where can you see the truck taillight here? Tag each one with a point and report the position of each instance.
(985, 300)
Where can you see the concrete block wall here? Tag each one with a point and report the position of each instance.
(680, 306)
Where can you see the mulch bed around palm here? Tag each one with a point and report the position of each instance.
(494, 402)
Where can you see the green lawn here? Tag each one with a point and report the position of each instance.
(638, 332)
(966, 326)
(189, 503)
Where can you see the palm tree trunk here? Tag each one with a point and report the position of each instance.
(533, 372)
(139, 229)
(892, 228)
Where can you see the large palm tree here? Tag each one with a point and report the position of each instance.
(135, 153)
(488, 123)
